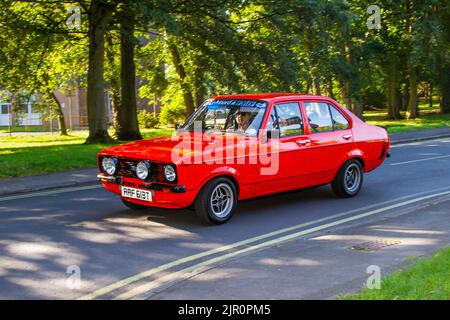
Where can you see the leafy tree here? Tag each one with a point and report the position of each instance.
(184, 51)
(99, 14)
(127, 125)
(441, 40)
(147, 120)
(47, 59)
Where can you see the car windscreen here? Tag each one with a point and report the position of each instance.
(228, 116)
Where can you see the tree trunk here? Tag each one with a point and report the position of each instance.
(60, 114)
(199, 87)
(404, 98)
(99, 15)
(413, 110)
(330, 87)
(187, 93)
(51, 95)
(200, 94)
(444, 85)
(430, 95)
(392, 87)
(352, 85)
(315, 81)
(114, 82)
(357, 108)
(346, 93)
(127, 123)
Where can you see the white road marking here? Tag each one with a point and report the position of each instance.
(419, 160)
(171, 276)
(48, 193)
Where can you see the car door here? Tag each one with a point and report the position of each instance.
(287, 150)
(330, 138)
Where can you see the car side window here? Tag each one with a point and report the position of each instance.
(319, 116)
(289, 119)
(272, 123)
(339, 121)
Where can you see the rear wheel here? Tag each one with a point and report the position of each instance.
(349, 179)
(217, 201)
(133, 206)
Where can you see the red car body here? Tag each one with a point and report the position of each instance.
(305, 160)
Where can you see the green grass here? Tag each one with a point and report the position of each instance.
(4, 129)
(46, 153)
(428, 119)
(427, 279)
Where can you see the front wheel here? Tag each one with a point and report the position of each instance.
(349, 179)
(217, 201)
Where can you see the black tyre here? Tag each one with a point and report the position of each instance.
(217, 201)
(349, 179)
(133, 206)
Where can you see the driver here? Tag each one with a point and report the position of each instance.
(243, 119)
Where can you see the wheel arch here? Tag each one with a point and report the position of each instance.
(226, 172)
(227, 175)
(356, 154)
(360, 160)
(201, 206)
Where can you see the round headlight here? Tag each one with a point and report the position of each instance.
(109, 165)
(142, 170)
(169, 173)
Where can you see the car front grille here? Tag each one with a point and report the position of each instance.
(127, 168)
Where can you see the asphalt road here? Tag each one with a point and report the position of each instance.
(125, 254)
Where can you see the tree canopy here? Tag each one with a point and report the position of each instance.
(178, 53)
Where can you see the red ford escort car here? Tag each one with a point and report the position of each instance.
(244, 146)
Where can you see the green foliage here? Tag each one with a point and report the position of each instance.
(147, 120)
(235, 46)
(39, 55)
(173, 111)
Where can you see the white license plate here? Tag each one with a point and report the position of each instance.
(144, 195)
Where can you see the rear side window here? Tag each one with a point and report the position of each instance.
(287, 118)
(339, 121)
(319, 116)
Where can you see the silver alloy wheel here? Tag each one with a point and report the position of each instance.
(222, 199)
(352, 178)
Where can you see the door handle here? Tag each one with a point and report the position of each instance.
(347, 136)
(303, 142)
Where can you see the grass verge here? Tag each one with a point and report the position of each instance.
(428, 119)
(426, 279)
(47, 153)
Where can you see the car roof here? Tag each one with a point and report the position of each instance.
(270, 96)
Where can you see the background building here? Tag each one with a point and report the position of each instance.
(74, 107)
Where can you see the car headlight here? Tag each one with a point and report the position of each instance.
(169, 173)
(142, 170)
(109, 165)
